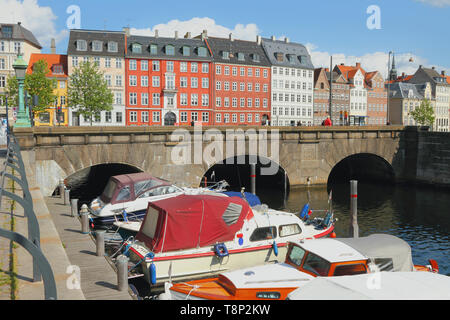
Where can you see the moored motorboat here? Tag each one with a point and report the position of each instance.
(197, 236)
(303, 262)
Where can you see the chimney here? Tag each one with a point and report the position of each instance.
(205, 34)
(358, 65)
(258, 40)
(126, 30)
(273, 38)
(176, 34)
(156, 33)
(433, 68)
(443, 73)
(187, 35)
(230, 37)
(53, 46)
(286, 39)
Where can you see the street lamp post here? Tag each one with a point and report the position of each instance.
(20, 68)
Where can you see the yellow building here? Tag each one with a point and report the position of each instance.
(56, 114)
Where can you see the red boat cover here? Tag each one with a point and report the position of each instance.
(191, 221)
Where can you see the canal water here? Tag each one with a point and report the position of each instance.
(417, 214)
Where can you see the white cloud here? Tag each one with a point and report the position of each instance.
(376, 61)
(39, 20)
(196, 26)
(436, 3)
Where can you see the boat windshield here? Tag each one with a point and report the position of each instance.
(296, 255)
(109, 190)
(142, 186)
(316, 265)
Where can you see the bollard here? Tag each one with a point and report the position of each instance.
(100, 242)
(253, 178)
(122, 272)
(74, 207)
(354, 229)
(84, 213)
(66, 197)
(61, 188)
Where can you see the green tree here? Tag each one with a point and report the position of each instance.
(37, 84)
(424, 114)
(88, 91)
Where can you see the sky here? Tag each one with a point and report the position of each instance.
(348, 30)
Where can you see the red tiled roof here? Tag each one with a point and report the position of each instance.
(51, 59)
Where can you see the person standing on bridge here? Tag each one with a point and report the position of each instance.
(327, 121)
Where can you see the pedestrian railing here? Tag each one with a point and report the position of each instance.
(41, 267)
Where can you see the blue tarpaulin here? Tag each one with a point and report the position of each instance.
(252, 199)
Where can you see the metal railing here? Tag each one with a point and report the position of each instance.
(41, 267)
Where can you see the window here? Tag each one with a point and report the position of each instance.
(118, 97)
(183, 99)
(155, 99)
(133, 98)
(296, 255)
(169, 66)
(108, 116)
(218, 101)
(218, 117)
(264, 233)
(97, 46)
(205, 100)
(133, 65)
(194, 82)
(186, 51)
(183, 82)
(112, 46)
(155, 116)
(242, 72)
(202, 51)
(75, 61)
(226, 118)
(350, 269)
(225, 55)
(170, 82)
(155, 81)
(155, 65)
(170, 50)
(119, 117)
(118, 80)
(205, 68)
(194, 99)
(144, 99)
(144, 81)
(289, 229)
(97, 61)
(218, 70)
(242, 117)
(7, 31)
(153, 49)
(194, 116)
(183, 66)
(205, 118)
(194, 67)
(133, 116)
(81, 45)
(183, 116)
(144, 116)
(316, 265)
(107, 62)
(144, 65)
(241, 56)
(234, 117)
(205, 83)
(118, 63)
(265, 73)
(108, 79)
(133, 81)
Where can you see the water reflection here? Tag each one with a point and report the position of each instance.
(418, 215)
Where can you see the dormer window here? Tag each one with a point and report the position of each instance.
(241, 56)
(136, 48)
(225, 55)
(291, 58)
(170, 50)
(279, 56)
(255, 57)
(112, 46)
(7, 31)
(81, 45)
(58, 69)
(202, 51)
(153, 49)
(186, 51)
(97, 46)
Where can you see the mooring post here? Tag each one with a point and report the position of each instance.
(84, 213)
(66, 197)
(74, 207)
(354, 229)
(253, 177)
(61, 188)
(122, 272)
(100, 242)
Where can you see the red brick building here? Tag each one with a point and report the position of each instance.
(376, 98)
(168, 81)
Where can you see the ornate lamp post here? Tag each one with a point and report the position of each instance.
(20, 67)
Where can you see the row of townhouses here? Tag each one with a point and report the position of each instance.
(187, 79)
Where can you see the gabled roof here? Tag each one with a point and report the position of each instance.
(294, 55)
(51, 59)
(349, 72)
(233, 47)
(402, 89)
(18, 33)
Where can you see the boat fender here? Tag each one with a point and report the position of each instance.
(221, 250)
(126, 251)
(304, 212)
(124, 214)
(240, 237)
(327, 220)
(152, 273)
(275, 248)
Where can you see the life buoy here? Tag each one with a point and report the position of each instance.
(220, 250)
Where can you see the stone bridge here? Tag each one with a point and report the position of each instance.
(307, 154)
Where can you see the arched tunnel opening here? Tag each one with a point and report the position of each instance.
(271, 188)
(88, 183)
(369, 170)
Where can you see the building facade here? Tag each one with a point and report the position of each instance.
(377, 100)
(57, 113)
(241, 81)
(340, 98)
(106, 49)
(440, 93)
(168, 81)
(14, 38)
(321, 96)
(292, 74)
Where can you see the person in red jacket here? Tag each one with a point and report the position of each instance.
(327, 122)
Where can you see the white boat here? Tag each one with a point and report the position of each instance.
(376, 286)
(126, 197)
(303, 262)
(197, 236)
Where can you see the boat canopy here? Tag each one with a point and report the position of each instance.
(376, 286)
(127, 187)
(388, 252)
(192, 221)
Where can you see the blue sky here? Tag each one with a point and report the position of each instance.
(411, 28)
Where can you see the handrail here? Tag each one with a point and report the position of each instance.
(41, 266)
